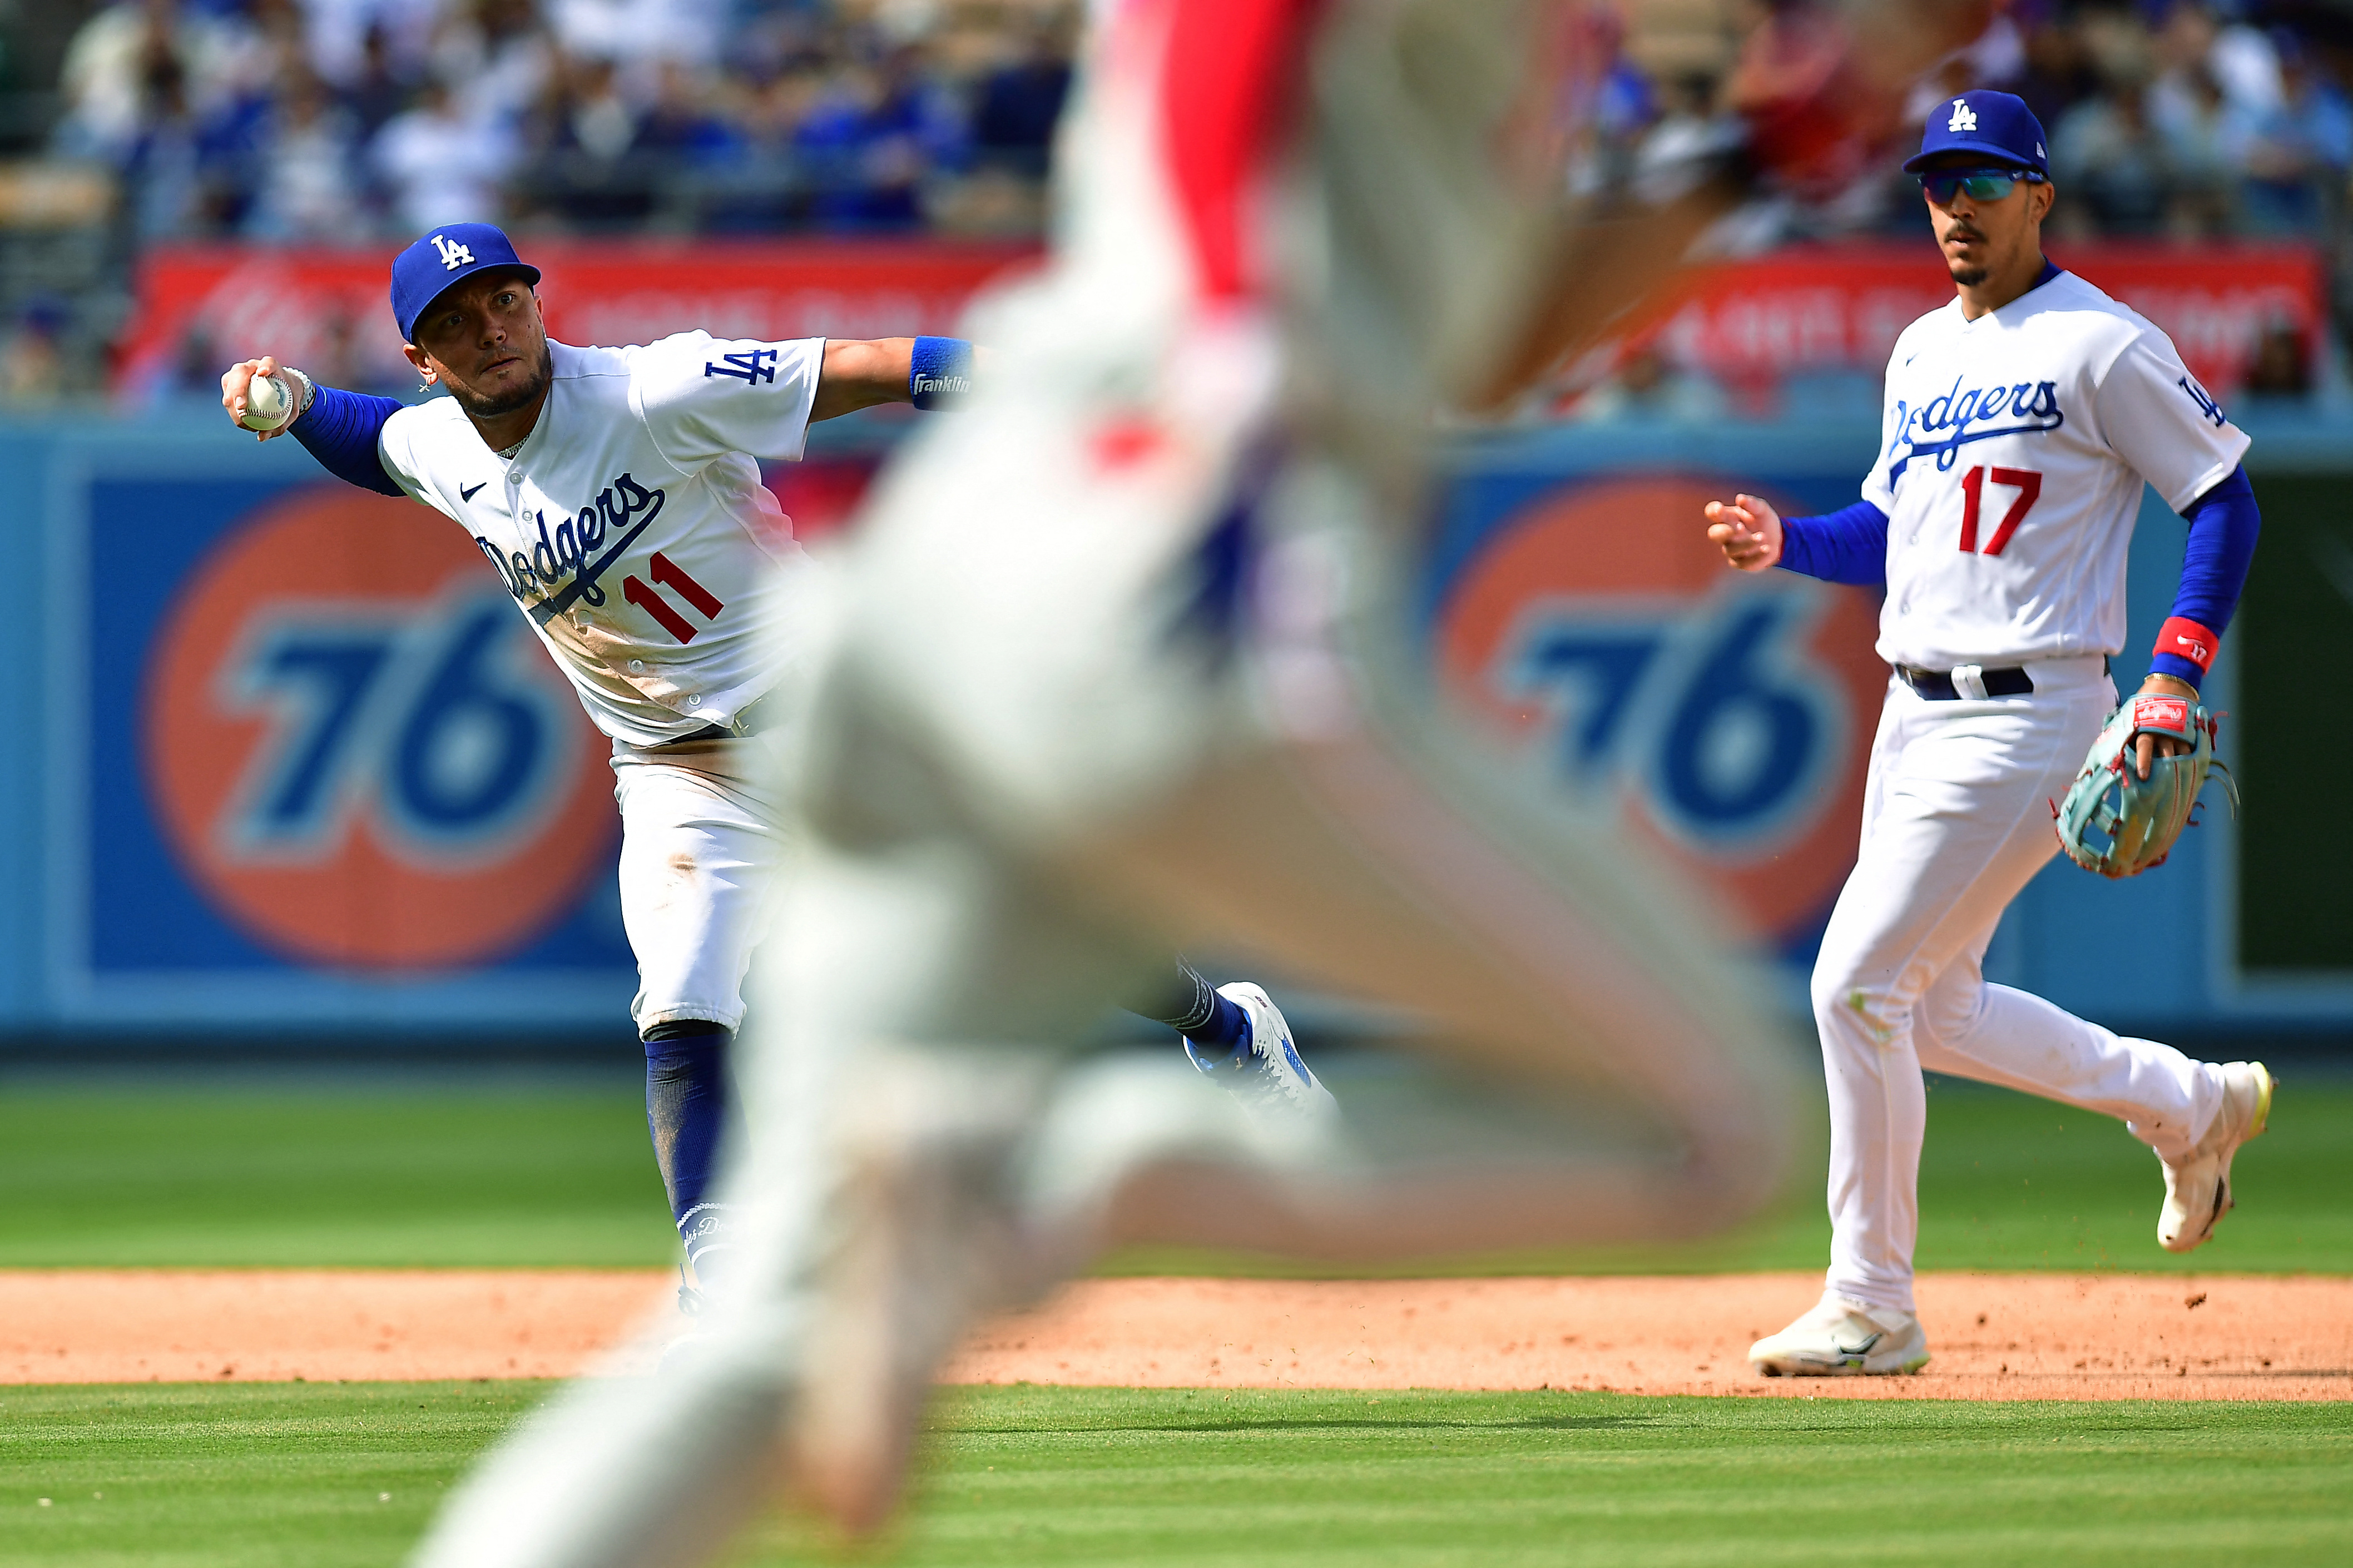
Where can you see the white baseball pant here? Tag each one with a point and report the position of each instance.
(1956, 821)
(701, 836)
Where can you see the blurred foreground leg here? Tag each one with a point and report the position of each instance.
(1058, 730)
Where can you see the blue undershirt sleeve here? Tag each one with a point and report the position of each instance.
(2223, 525)
(342, 430)
(1845, 546)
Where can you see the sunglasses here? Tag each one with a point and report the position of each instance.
(1981, 184)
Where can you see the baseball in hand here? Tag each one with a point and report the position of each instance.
(266, 402)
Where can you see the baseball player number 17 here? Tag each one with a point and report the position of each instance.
(2026, 481)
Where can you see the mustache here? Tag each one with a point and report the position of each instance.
(1963, 231)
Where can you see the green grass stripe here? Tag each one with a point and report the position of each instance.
(259, 1474)
(512, 1172)
(2006, 1181)
(453, 1174)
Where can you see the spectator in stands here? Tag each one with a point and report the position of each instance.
(2059, 71)
(442, 163)
(639, 35)
(160, 155)
(2193, 120)
(501, 53)
(2245, 59)
(377, 92)
(117, 65)
(753, 184)
(2114, 168)
(1020, 102)
(682, 122)
(32, 362)
(2279, 371)
(582, 134)
(872, 139)
(1996, 58)
(340, 35)
(2296, 156)
(309, 188)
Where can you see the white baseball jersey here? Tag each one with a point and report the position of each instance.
(631, 526)
(2014, 451)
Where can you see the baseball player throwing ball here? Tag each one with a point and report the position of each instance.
(615, 493)
(2020, 422)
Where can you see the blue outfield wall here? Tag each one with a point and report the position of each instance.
(2245, 930)
(284, 764)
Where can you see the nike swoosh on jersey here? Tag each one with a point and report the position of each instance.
(465, 494)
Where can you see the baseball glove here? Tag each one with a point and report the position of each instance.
(2118, 823)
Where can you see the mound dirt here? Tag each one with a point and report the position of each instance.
(2017, 1336)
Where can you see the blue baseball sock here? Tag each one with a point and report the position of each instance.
(686, 1106)
(1195, 1010)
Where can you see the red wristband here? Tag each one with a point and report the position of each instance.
(2188, 639)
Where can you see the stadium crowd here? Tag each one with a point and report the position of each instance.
(324, 120)
(331, 119)
(339, 120)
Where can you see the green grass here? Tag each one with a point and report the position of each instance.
(256, 1475)
(249, 1476)
(2009, 1182)
(505, 1172)
(358, 1171)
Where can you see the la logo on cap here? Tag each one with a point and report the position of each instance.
(453, 257)
(1963, 119)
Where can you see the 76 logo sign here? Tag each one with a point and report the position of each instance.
(1710, 710)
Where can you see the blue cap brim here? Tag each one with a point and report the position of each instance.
(530, 275)
(2002, 155)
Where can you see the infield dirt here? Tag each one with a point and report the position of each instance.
(2008, 1336)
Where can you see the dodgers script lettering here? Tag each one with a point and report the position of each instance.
(621, 512)
(1941, 426)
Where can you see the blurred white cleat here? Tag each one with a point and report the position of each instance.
(2198, 1190)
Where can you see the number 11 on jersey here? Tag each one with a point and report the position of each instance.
(2026, 481)
(667, 573)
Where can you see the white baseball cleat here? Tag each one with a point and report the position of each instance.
(2198, 1190)
(1271, 1075)
(1842, 1339)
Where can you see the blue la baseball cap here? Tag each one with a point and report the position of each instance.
(447, 257)
(1996, 125)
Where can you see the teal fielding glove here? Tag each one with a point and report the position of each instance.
(2118, 823)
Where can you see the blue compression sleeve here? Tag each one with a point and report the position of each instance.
(941, 376)
(2223, 525)
(340, 429)
(1845, 546)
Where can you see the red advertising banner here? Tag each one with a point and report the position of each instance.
(201, 308)
(1748, 323)
(1754, 322)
